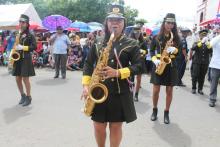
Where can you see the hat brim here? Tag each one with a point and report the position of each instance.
(115, 16)
(170, 20)
(23, 19)
(185, 30)
(203, 33)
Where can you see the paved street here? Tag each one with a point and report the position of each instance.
(55, 120)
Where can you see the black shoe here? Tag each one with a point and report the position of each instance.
(193, 91)
(63, 77)
(212, 104)
(154, 114)
(166, 117)
(27, 101)
(136, 97)
(22, 100)
(56, 76)
(200, 92)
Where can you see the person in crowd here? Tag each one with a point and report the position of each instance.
(23, 68)
(61, 44)
(85, 50)
(99, 37)
(200, 61)
(45, 53)
(161, 45)
(215, 67)
(182, 58)
(137, 35)
(124, 61)
(10, 43)
(148, 61)
(74, 61)
(3, 43)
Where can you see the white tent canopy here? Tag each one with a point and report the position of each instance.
(9, 15)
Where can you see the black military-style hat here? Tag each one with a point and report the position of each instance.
(116, 11)
(137, 28)
(170, 17)
(185, 30)
(24, 18)
(140, 23)
(203, 32)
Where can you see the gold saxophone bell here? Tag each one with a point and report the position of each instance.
(98, 93)
(15, 56)
(166, 59)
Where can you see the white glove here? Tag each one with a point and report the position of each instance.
(207, 43)
(205, 39)
(156, 62)
(171, 50)
(19, 47)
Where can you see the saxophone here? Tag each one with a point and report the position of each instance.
(164, 59)
(14, 55)
(98, 92)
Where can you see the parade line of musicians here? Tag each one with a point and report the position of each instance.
(129, 57)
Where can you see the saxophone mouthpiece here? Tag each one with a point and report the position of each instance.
(112, 34)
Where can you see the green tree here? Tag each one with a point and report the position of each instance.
(121, 2)
(89, 10)
(130, 15)
(81, 10)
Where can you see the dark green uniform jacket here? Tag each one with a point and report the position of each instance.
(119, 105)
(201, 53)
(24, 67)
(169, 76)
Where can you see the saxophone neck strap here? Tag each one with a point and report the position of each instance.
(131, 84)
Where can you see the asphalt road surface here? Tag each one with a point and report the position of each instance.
(54, 118)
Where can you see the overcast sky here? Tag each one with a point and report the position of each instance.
(154, 10)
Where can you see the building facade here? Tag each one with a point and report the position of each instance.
(207, 12)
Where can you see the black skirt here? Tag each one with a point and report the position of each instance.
(117, 108)
(143, 67)
(24, 67)
(168, 78)
(149, 65)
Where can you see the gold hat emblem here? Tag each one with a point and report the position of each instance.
(115, 10)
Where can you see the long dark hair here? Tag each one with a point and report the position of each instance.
(176, 38)
(107, 32)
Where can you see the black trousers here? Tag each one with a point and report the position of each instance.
(181, 67)
(198, 75)
(60, 62)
